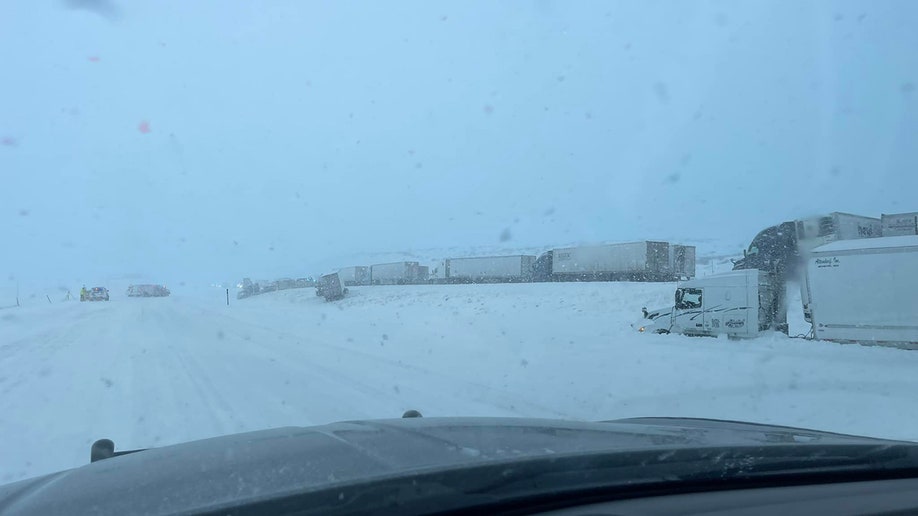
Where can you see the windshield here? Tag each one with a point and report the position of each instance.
(687, 298)
(223, 216)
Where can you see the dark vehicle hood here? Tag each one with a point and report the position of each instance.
(221, 472)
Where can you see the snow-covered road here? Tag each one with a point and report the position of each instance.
(151, 372)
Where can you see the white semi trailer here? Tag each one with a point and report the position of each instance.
(488, 269)
(631, 261)
(682, 261)
(397, 273)
(355, 276)
(900, 224)
(863, 290)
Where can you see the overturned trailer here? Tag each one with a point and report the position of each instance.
(331, 287)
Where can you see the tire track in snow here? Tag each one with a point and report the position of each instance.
(175, 335)
(448, 386)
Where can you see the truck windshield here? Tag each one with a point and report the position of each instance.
(687, 298)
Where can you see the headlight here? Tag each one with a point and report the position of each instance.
(641, 329)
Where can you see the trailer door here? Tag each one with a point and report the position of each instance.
(657, 265)
(726, 310)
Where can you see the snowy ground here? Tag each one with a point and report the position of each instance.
(151, 372)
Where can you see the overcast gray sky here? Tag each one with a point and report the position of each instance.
(216, 138)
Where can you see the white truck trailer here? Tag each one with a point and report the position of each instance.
(863, 290)
(355, 276)
(783, 249)
(488, 269)
(900, 224)
(396, 273)
(633, 261)
(682, 261)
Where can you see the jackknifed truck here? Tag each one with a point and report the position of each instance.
(856, 285)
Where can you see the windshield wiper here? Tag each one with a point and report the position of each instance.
(105, 449)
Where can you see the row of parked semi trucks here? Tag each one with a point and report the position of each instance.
(633, 261)
(250, 288)
(858, 280)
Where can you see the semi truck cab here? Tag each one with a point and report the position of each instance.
(740, 304)
(772, 248)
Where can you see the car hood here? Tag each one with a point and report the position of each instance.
(222, 471)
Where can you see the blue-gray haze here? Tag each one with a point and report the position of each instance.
(213, 139)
